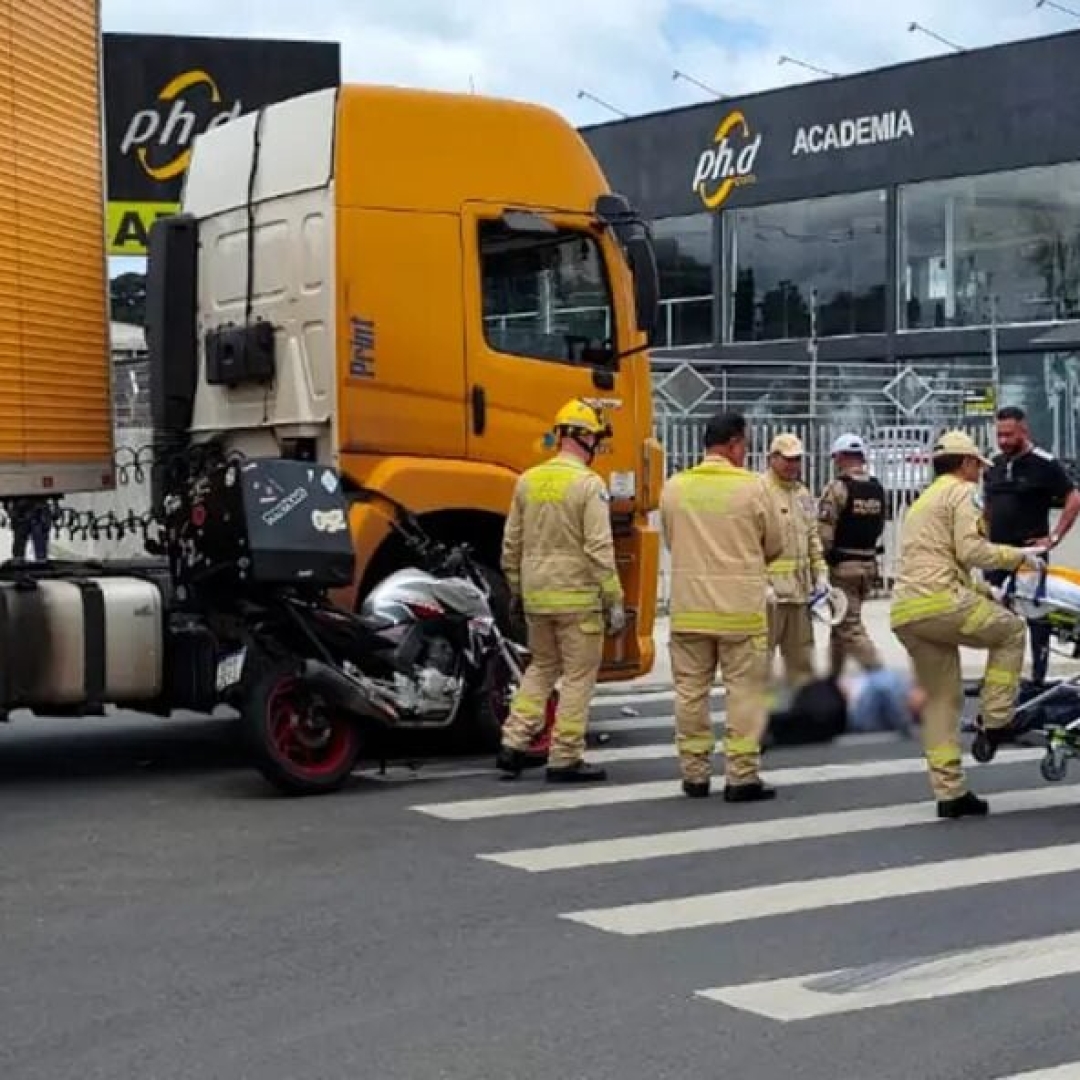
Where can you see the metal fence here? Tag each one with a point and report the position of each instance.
(903, 467)
(899, 409)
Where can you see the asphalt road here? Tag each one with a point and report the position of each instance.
(166, 916)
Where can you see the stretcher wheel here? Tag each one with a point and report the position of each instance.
(982, 749)
(1055, 764)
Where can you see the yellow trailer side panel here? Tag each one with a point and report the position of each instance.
(55, 387)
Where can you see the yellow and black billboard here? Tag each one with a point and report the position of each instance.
(162, 91)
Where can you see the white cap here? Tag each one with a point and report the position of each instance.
(849, 444)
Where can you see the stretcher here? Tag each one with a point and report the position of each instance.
(1053, 595)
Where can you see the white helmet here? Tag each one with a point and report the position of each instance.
(829, 607)
(849, 444)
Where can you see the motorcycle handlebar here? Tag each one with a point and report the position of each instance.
(458, 560)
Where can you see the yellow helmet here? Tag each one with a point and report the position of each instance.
(578, 415)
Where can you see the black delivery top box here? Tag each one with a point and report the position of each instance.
(273, 521)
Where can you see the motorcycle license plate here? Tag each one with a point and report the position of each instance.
(230, 668)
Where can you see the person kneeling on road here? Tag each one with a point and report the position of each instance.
(559, 559)
(937, 608)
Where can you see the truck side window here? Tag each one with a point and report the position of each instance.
(546, 296)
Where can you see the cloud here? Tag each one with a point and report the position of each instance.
(623, 51)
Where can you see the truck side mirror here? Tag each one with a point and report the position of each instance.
(642, 258)
(633, 234)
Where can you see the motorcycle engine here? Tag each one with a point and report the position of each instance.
(434, 688)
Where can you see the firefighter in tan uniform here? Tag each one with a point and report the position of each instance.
(799, 570)
(559, 560)
(722, 529)
(937, 607)
(851, 519)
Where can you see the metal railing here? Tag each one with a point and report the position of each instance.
(685, 320)
(903, 467)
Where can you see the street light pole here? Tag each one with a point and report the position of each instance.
(676, 74)
(912, 27)
(600, 101)
(803, 64)
(1057, 7)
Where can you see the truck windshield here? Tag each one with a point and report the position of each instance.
(546, 295)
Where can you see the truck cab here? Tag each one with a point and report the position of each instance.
(407, 286)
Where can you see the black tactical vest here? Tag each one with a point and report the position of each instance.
(862, 520)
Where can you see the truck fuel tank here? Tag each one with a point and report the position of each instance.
(80, 642)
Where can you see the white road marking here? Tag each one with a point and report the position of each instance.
(772, 831)
(634, 723)
(969, 971)
(1070, 1071)
(641, 697)
(659, 751)
(575, 798)
(815, 894)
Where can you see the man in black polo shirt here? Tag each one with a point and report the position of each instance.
(1021, 487)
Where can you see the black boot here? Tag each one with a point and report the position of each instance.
(514, 762)
(984, 746)
(578, 773)
(967, 805)
(696, 789)
(755, 791)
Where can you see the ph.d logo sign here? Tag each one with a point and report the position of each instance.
(160, 135)
(729, 162)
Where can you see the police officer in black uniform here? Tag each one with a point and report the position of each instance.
(851, 518)
(1021, 487)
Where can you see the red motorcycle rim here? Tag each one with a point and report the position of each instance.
(314, 750)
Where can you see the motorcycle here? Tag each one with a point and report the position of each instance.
(424, 652)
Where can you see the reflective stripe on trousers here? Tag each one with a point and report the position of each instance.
(566, 647)
(695, 659)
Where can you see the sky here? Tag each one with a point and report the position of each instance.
(622, 51)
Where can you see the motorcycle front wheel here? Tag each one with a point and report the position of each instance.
(298, 745)
(489, 706)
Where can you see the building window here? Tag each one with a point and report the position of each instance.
(1004, 247)
(684, 257)
(546, 296)
(822, 257)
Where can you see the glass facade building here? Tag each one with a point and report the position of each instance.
(899, 247)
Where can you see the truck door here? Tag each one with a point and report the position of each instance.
(540, 329)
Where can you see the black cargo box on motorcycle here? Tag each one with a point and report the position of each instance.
(267, 521)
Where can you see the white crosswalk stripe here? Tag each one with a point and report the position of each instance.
(754, 833)
(793, 996)
(827, 993)
(627, 724)
(813, 894)
(1071, 1071)
(666, 750)
(577, 798)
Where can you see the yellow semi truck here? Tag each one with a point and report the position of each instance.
(361, 326)
(408, 286)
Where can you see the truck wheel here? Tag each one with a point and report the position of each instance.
(298, 745)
